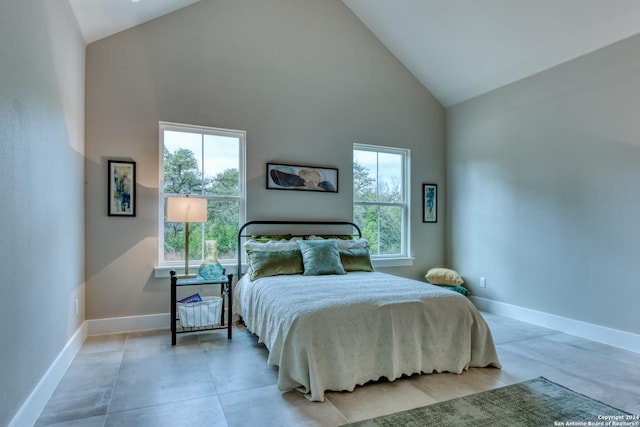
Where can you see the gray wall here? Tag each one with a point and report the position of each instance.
(42, 187)
(544, 197)
(304, 78)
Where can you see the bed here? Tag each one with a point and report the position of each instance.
(336, 331)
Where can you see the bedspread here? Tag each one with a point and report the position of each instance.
(339, 331)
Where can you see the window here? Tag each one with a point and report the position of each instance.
(381, 198)
(204, 162)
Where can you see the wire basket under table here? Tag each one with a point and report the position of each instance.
(205, 313)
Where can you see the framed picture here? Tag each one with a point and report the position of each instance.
(122, 188)
(429, 203)
(304, 178)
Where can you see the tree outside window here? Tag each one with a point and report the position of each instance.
(209, 163)
(380, 198)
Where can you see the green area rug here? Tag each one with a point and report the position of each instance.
(537, 402)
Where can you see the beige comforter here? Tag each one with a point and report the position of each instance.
(336, 332)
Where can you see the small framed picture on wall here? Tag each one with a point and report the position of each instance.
(429, 203)
(122, 188)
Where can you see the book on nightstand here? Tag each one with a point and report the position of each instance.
(191, 298)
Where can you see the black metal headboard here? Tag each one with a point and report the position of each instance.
(241, 232)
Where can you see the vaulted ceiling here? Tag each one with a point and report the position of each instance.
(102, 18)
(457, 49)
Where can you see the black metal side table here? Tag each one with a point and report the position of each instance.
(225, 282)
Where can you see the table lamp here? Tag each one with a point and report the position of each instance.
(186, 209)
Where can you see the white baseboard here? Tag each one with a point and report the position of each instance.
(115, 325)
(602, 334)
(28, 414)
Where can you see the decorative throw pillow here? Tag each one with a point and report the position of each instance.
(320, 257)
(352, 244)
(444, 276)
(274, 263)
(269, 238)
(460, 289)
(270, 246)
(326, 237)
(356, 259)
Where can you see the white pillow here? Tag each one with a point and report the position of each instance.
(271, 246)
(353, 244)
(344, 243)
(314, 237)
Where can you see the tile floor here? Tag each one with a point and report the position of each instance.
(139, 379)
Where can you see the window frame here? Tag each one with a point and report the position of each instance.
(164, 266)
(403, 258)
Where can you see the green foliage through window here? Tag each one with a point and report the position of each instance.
(380, 201)
(204, 164)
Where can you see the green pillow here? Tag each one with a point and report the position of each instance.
(457, 288)
(356, 259)
(274, 263)
(320, 257)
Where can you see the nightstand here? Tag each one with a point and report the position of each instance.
(224, 281)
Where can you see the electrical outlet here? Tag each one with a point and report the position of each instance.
(77, 306)
(483, 282)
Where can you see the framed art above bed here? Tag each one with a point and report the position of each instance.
(304, 178)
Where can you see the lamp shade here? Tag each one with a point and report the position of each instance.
(186, 209)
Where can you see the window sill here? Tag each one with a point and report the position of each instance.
(392, 262)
